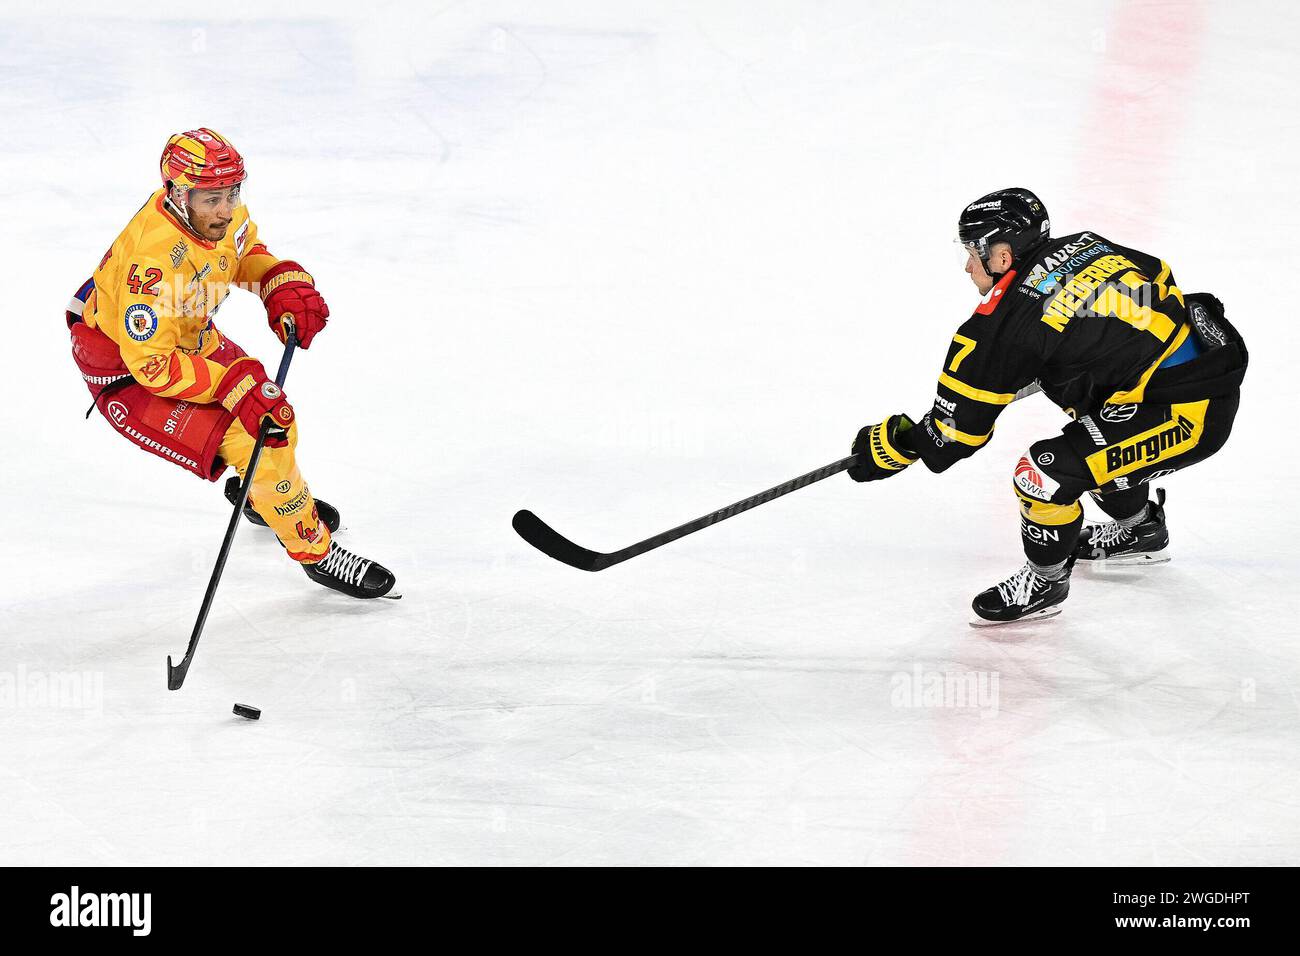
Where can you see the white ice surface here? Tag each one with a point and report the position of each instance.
(622, 263)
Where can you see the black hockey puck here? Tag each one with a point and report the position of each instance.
(243, 710)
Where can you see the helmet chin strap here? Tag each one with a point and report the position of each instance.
(988, 267)
(180, 208)
(983, 250)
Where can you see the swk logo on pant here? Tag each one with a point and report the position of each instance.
(122, 910)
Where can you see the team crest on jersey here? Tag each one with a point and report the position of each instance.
(141, 322)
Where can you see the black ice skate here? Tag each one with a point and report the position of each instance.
(1026, 595)
(326, 511)
(1145, 543)
(352, 574)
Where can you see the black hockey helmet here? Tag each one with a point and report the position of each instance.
(1014, 216)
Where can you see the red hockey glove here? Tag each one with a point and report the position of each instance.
(246, 391)
(287, 290)
(880, 451)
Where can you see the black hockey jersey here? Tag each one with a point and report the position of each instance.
(1087, 320)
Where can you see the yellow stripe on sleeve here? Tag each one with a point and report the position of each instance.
(959, 436)
(977, 394)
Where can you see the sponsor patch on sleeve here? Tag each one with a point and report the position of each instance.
(156, 365)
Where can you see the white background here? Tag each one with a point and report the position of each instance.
(623, 263)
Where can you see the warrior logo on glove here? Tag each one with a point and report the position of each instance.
(882, 451)
(246, 391)
(289, 294)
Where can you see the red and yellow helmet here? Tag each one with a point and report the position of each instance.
(201, 159)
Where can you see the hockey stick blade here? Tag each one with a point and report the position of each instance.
(176, 675)
(555, 545)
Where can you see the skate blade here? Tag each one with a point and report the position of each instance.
(1129, 560)
(392, 597)
(1042, 615)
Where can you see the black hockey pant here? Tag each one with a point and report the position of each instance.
(1114, 452)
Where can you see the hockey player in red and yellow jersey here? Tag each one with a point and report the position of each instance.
(170, 381)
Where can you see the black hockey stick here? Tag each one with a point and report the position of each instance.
(553, 544)
(176, 674)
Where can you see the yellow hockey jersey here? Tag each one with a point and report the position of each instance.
(155, 292)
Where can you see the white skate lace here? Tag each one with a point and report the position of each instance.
(344, 565)
(1020, 587)
(1105, 535)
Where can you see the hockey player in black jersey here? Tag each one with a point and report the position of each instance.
(1149, 374)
